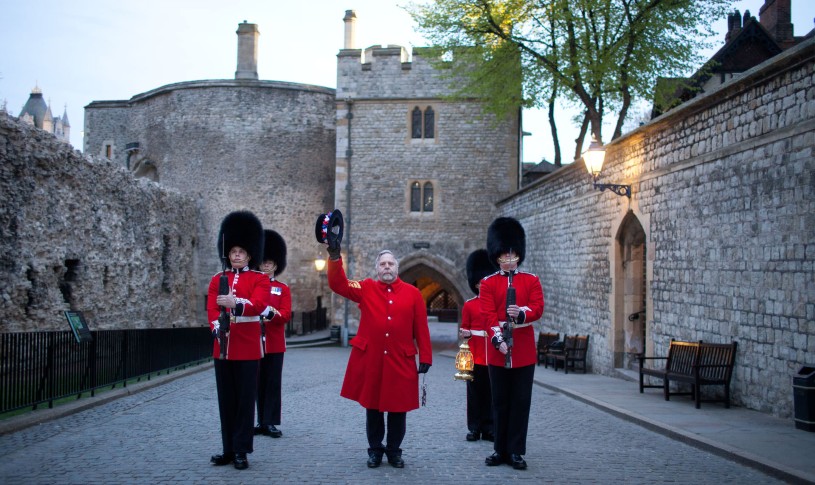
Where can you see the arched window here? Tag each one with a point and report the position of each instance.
(422, 123)
(415, 197)
(429, 121)
(421, 196)
(427, 197)
(416, 123)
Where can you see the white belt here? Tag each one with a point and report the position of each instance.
(516, 325)
(478, 333)
(246, 319)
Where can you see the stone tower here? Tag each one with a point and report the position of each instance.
(416, 173)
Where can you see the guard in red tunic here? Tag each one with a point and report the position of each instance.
(511, 363)
(381, 374)
(274, 320)
(239, 307)
(479, 405)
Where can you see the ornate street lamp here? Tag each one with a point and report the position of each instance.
(594, 158)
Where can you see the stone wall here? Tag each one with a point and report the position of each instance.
(724, 188)
(263, 146)
(80, 233)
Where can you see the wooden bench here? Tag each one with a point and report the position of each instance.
(575, 350)
(695, 363)
(544, 340)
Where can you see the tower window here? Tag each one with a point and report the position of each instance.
(421, 196)
(422, 123)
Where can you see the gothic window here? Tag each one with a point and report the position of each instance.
(415, 197)
(421, 196)
(416, 123)
(422, 123)
(429, 120)
(427, 197)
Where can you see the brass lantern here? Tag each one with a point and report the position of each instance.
(464, 362)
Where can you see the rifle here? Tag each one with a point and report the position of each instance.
(223, 318)
(510, 323)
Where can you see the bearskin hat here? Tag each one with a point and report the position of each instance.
(274, 249)
(478, 266)
(503, 235)
(241, 228)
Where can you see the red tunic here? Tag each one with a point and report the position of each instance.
(274, 323)
(528, 296)
(381, 372)
(251, 288)
(473, 320)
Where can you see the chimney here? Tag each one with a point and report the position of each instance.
(247, 51)
(733, 26)
(775, 16)
(350, 29)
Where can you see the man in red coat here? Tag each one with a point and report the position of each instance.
(236, 369)
(479, 405)
(511, 369)
(381, 374)
(275, 317)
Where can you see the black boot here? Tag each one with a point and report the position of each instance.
(395, 459)
(222, 459)
(241, 463)
(374, 458)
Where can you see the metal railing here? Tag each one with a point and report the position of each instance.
(41, 367)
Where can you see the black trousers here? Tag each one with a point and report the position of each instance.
(237, 383)
(511, 399)
(479, 401)
(375, 428)
(270, 379)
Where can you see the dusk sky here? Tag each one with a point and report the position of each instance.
(90, 50)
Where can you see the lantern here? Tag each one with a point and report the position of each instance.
(464, 362)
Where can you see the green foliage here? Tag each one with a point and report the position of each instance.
(605, 53)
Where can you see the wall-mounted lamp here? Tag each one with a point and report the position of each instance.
(594, 158)
(319, 263)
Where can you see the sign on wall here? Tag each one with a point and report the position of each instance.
(79, 326)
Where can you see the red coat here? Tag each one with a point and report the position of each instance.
(251, 288)
(473, 320)
(528, 296)
(274, 322)
(381, 372)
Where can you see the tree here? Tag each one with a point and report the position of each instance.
(600, 55)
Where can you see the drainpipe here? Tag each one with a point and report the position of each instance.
(349, 115)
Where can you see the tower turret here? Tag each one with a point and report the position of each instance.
(350, 29)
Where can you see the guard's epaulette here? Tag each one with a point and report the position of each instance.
(473, 298)
(354, 284)
(257, 271)
(490, 276)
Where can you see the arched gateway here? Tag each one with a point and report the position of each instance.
(443, 286)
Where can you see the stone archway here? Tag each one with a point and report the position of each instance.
(438, 280)
(629, 292)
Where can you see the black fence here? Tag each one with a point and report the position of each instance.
(41, 367)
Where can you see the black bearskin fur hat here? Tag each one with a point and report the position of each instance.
(274, 249)
(505, 233)
(478, 266)
(241, 228)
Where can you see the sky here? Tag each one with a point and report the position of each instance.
(81, 51)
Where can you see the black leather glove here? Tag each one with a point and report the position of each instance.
(334, 253)
(423, 368)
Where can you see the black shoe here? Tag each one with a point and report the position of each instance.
(494, 459)
(396, 460)
(273, 432)
(241, 463)
(374, 459)
(487, 436)
(222, 459)
(517, 462)
(258, 430)
(473, 436)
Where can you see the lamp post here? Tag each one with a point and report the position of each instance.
(594, 158)
(319, 265)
